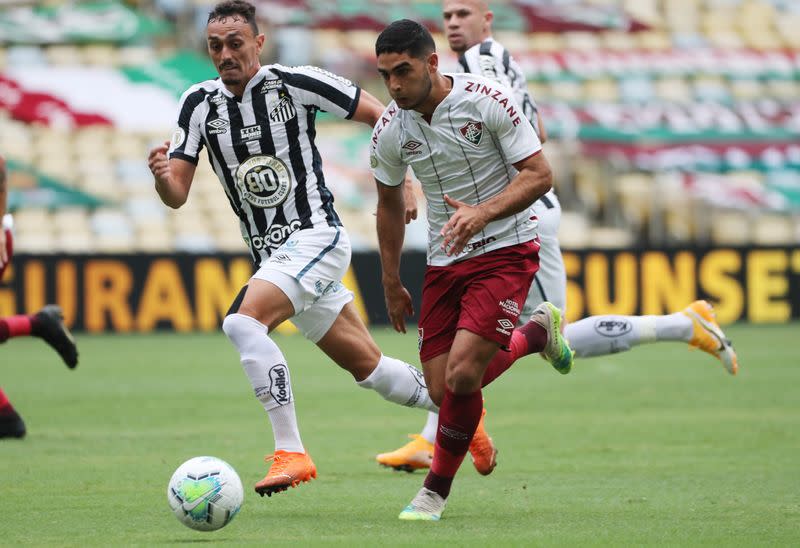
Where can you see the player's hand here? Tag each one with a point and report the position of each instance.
(398, 304)
(410, 199)
(3, 251)
(463, 225)
(158, 162)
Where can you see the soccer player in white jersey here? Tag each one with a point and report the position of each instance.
(258, 125)
(481, 167)
(468, 27)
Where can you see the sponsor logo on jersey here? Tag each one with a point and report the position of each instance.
(218, 99)
(270, 85)
(218, 125)
(497, 95)
(477, 245)
(279, 387)
(504, 326)
(263, 181)
(282, 110)
(472, 132)
(250, 133)
(386, 117)
(613, 328)
(275, 236)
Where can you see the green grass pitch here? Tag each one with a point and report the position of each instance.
(655, 446)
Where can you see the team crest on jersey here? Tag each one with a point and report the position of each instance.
(282, 110)
(263, 181)
(472, 132)
(217, 126)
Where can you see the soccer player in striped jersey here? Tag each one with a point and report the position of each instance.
(468, 27)
(257, 123)
(46, 324)
(481, 167)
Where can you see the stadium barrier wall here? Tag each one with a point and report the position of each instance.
(181, 292)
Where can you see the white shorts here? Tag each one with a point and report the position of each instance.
(8, 222)
(550, 282)
(309, 268)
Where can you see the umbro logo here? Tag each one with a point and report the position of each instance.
(505, 326)
(218, 125)
(412, 147)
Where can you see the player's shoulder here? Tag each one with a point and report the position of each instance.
(292, 73)
(197, 93)
(388, 123)
(477, 88)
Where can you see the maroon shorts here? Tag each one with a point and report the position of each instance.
(9, 249)
(484, 295)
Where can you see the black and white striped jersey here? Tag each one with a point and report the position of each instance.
(261, 146)
(491, 60)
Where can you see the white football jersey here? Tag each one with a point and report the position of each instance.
(468, 150)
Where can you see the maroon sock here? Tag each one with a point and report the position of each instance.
(459, 415)
(525, 340)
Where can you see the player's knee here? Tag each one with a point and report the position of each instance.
(241, 329)
(462, 377)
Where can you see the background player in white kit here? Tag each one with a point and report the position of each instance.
(468, 28)
(258, 126)
(481, 167)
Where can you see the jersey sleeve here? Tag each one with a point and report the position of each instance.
(504, 117)
(315, 86)
(187, 140)
(384, 159)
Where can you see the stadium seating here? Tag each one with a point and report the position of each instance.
(733, 53)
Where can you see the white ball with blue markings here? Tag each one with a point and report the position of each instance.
(205, 493)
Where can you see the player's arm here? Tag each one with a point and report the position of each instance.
(368, 110)
(531, 183)
(391, 229)
(391, 177)
(173, 177)
(3, 205)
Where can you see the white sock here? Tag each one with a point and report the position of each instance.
(265, 366)
(429, 432)
(399, 382)
(601, 335)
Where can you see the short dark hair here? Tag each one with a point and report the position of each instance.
(235, 8)
(405, 36)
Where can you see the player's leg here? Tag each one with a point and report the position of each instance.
(495, 286)
(602, 335)
(695, 325)
(348, 343)
(11, 424)
(261, 306)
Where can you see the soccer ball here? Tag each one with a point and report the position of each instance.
(205, 493)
